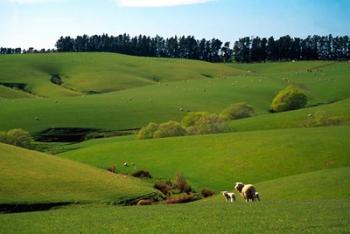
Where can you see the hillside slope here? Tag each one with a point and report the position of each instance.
(133, 108)
(30, 177)
(323, 211)
(216, 161)
(91, 73)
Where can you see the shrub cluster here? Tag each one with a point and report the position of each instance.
(203, 123)
(290, 98)
(164, 187)
(17, 137)
(197, 123)
(180, 191)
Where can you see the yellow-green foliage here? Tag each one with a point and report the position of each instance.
(207, 123)
(191, 118)
(148, 131)
(169, 129)
(290, 98)
(17, 137)
(238, 111)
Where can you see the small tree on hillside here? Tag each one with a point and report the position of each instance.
(290, 98)
(19, 137)
(237, 111)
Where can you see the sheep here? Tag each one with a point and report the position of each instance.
(248, 191)
(229, 196)
(144, 202)
(126, 164)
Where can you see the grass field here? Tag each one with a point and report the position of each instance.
(136, 106)
(302, 173)
(307, 206)
(28, 177)
(84, 73)
(225, 158)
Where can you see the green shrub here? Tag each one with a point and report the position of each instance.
(237, 111)
(322, 118)
(169, 129)
(17, 137)
(207, 124)
(191, 118)
(148, 131)
(290, 98)
(3, 137)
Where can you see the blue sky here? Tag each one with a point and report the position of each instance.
(40, 23)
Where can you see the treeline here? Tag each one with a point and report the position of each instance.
(10, 50)
(245, 50)
(19, 50)
(256, 49)
(188, 47)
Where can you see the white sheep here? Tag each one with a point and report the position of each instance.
(248, 191)
(230, 197)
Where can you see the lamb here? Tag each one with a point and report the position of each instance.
(229, 196)
(248, 192)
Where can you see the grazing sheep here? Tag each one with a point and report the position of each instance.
(231, 197)
(248, 191)
(257, 196)
(126, 164)
(145, 202)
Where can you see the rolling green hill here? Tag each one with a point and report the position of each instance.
(28, 177)
(296, 204)
(158, 102)
(91, 73)
(301, 173)
(216, 161)
(293, 119)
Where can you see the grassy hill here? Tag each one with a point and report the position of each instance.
(217, 161)
(293, 119)
(91, 73)
(133, 108)
(323, 210)
(28, 177)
